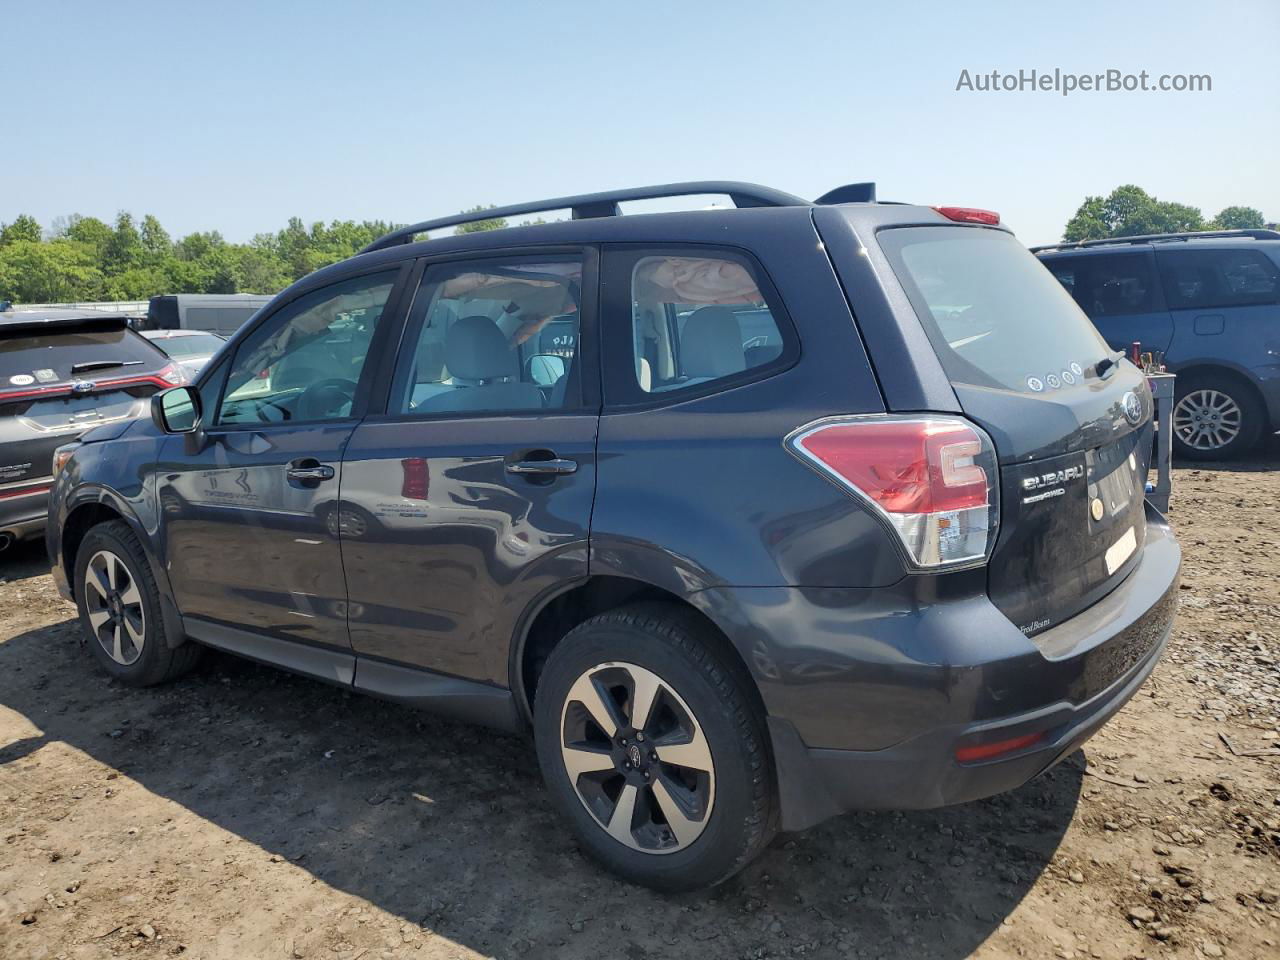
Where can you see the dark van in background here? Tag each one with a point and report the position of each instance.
(220, 313)
(1210, 302)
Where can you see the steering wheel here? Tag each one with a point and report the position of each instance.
(324, 398)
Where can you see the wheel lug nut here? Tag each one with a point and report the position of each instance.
(639, 738)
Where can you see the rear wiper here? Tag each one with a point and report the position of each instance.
(1106, 363)
(102, 365)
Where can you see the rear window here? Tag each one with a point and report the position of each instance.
(196, 346)
(28, 358)
(995, 315)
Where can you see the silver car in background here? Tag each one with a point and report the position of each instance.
(190, 349)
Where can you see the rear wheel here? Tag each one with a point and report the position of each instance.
(652, 749)
(119, 607)
(1215, 418)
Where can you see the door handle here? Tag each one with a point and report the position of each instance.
(310, 471)
(543, 467)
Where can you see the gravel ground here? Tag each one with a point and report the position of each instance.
(246, 813)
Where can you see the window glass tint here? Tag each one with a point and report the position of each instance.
(305, 361)
(697, 319)
(1107, 285)
(493, 335)
(48, 357)
(1204, 279)
(995, 316)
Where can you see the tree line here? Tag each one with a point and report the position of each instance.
(83, 258)
(1130, 211)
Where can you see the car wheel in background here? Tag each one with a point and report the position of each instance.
(652, 749)
(119, 607)
(1215, 418)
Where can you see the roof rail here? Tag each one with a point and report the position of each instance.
(1162, 238)
(590, 205)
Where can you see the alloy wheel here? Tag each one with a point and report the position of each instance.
(637, 758)
(1207, 419)
(114, 606)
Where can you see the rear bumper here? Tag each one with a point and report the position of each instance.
(24, 516)
(1058, 688)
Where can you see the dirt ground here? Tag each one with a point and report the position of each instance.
(246, 813)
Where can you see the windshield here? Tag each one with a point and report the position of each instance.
(995, 315)
(202, 345)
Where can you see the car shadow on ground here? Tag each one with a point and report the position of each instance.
(448, 826)
(1263, 458)
(24, 561)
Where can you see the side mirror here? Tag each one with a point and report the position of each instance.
(176, 410)
(545, 369)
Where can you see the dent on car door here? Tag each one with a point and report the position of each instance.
(472, 493)
(246, 520)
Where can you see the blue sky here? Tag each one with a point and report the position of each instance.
(234, 116)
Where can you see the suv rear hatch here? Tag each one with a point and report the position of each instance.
(60, 377)
(1070, 422)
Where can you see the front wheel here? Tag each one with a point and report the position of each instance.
(653, 750)
(119, 606)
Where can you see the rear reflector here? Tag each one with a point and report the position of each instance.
(970, 215)
(989, 751)
(932, 479)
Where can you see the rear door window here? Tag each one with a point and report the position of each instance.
(699, 320)
(1211, 279)
(1108, 285)
(995, 316)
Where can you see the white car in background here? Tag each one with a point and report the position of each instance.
(190, 349)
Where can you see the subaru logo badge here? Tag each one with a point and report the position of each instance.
(1132, 407)
(81, 386)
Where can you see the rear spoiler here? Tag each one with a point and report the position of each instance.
(33, 322)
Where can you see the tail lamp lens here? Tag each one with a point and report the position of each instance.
(970, 215)
(932, 479)
(173, 374)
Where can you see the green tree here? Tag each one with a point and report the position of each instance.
(90, 231)
(34, 272)
(24, 227)
(1129, 211)
(479, 226)
(155, 239)
(1239, 218)
(124, 249)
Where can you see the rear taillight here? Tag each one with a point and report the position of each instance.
(970, 215)
(933, 480)
(173, 374)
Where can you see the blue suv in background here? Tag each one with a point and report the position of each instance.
(1210, 302)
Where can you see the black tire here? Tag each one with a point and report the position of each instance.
(1206, 394)
(151, 661)
(673, 646)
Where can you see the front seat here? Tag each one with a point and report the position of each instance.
(483, 368)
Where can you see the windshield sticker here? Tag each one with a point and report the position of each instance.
(1053, 381)
(1068, 377)
(22, 379)
(46, 375)
(1034, 384)
(1077, 369)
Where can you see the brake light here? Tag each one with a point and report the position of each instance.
(933, 480)
(970, 215)
(173, 374)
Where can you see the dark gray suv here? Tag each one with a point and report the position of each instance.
(750, 516)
